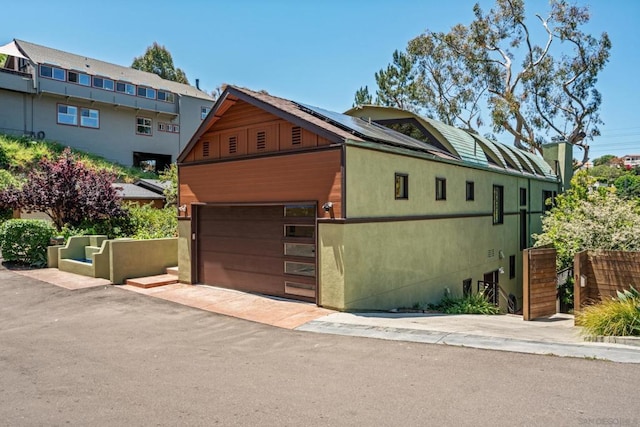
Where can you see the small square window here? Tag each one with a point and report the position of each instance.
(470, 191)
(402, 186)
(441, 189)
(204, 111)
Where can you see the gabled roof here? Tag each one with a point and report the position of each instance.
(335, 127)
(46, 55)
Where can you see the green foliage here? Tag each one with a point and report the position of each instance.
(23, 154)
(606, 174)
(628, 186)
(147, 222)
(25, 241)
(171, 192)
(616, 317)
(589, 220)
(471, 304)
(398, 85)
(607, 159)
(362, 97)
(158, 60)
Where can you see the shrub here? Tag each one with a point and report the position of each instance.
(616, 317)
(147, 222)
(471, 304)
(25, 241)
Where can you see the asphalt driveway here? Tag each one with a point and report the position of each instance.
(106, 356)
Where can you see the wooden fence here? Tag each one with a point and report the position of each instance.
(539, 283)
(599, 274)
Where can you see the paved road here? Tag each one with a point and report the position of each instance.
(105, 356)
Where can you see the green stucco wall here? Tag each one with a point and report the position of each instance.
(184, 250)
(140, 258)
(380, 260)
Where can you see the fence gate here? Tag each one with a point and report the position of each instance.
(539, 283)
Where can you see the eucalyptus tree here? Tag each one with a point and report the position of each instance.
(533, 80)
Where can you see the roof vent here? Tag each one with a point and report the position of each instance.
(261, 140)
(205, 149)
(296, 135)
(233, 144)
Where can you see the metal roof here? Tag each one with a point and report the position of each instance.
(46, 55)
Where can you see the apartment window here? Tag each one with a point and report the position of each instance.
(512, 266)
(146, 92)
(498, 204)
(470, 191)
(176, 129)
(165, 96)
(402, 186)
(162, 127)
(143, 126)
(52, 72)
(127, 88)
(523, 196)
(89, 118)
(102, 83)
(203, 112)
(67, 115)
(548, 200)
(441, 189)
(79, 78)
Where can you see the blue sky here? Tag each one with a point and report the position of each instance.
(315, 52)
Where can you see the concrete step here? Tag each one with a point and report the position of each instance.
(172, 270)
(153, 281)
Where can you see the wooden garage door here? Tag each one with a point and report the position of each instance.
(265, 249)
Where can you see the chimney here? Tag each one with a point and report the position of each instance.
(198, 84)
(559, 155)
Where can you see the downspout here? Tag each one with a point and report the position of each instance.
(529, 213)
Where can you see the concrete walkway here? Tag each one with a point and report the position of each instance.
(554, 336)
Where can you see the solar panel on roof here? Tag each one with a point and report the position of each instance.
(369, 130)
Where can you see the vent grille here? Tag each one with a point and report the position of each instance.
(491, 253)
(205, 149)
(261, 140)
(233, 144)
(296, 135)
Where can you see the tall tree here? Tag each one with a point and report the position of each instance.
(534, 91)
(158, 60)
(362, 97)
(399, 85)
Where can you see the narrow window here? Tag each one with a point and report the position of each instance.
(89, 118)
(402, 186)
(466, 287)
(523, 196)
(498, 204)
(162, 127)
(470, 190)
(143, 126)
(524, 237)
(205, 149)
(296, 135)
(548, 200)
(441, 189)
(261, 140)
(233, 144)
(512, 266)
(67, 115)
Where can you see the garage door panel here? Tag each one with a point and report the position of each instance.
(243, 262)
(256, 229)
(247, 246)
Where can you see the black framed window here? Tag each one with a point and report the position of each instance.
(548, 200)
(498, 204)
(402, 186)
(441, 189)
(523, 196)
(512, 266)
(470, 191)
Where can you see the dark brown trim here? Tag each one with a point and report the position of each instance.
(194, 244)
(407, 218)
(288, 202)
(343, 184)
(261, 155)
(184, 218)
